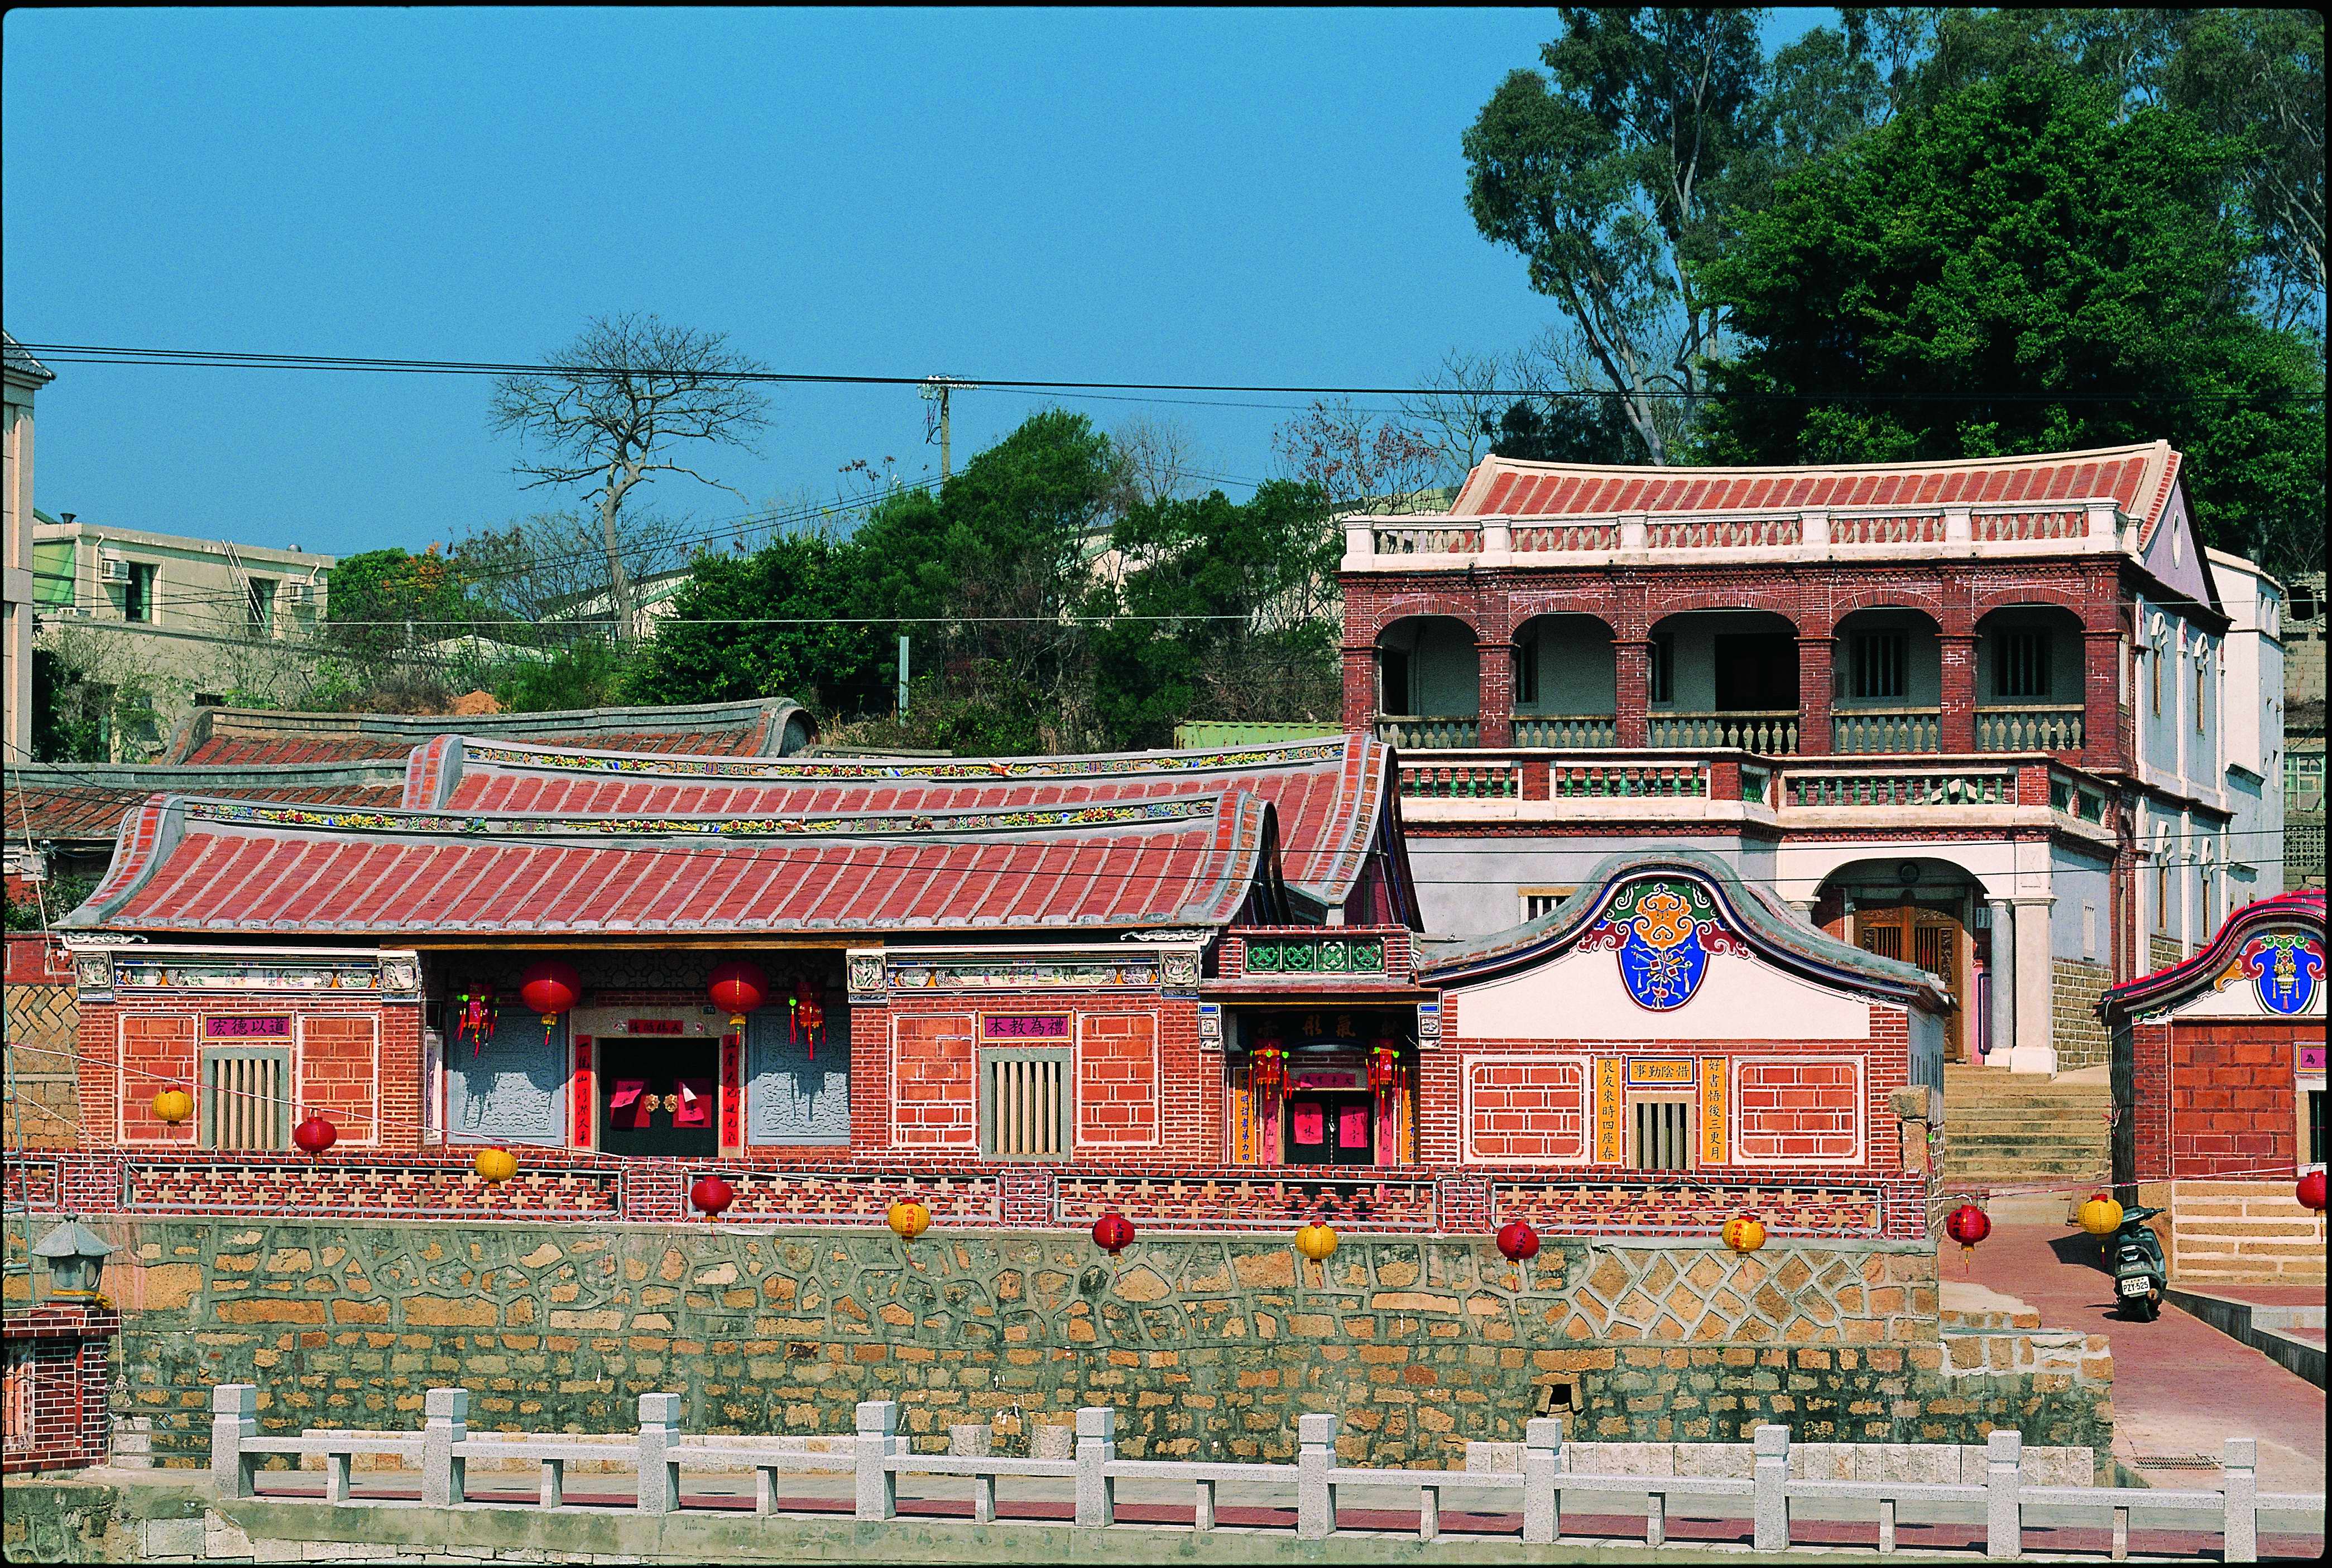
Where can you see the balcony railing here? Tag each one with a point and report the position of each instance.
(1441, 539)
(1771, 733)
(1860, 731)
(1413, 732)
(1567, 731)
(1836, 786)
(1459, 781)
(2056, 726)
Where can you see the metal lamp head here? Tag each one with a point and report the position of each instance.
(76, 1257)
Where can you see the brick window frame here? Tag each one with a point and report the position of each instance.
(1064, 1060)
(213, 1057)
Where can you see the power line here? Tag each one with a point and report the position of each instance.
(236, 359)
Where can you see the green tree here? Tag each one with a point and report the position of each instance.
(705, 652)
(2022, 269)
(1223, 615)
(375, 594)
(1615, 172)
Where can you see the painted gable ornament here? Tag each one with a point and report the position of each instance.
(2284, 967)
(1665, 932)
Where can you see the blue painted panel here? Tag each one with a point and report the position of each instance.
(791, 1097)
(511, 1088)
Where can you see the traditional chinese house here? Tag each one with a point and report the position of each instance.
(2218, 1078)
(1034, 989)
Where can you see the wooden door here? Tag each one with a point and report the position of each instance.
(1934, 940)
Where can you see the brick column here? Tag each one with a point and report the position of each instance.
(2104, 743)
(1359, 687)
(1959, 691)
(1633, 659)
(1494, 722)
(1814, 658)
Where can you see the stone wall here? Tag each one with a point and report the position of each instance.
(42, 1110)
(1208, 1348)
(2079, 1035)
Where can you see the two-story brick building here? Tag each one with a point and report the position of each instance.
(1976, 715)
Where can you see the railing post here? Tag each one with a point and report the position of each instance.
(1770, 1494)
(2241, 1483)
(235, 1417)
(1541, 1493)
(1096, 1449)
(2004, 1510)
(878, 1483)
(659, 1473)
(1316, 1499)
(335, 1476)
(446, 1422)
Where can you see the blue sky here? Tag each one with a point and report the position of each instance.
(1182, 196)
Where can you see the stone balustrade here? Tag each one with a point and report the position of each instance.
(1759, 1490)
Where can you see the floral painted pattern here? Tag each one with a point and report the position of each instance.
(1664, 931)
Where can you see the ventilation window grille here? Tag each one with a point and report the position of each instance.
(1662, 1135)
(1025, 1106)
(246, 1097)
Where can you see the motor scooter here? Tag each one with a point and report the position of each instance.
(2139, 1273)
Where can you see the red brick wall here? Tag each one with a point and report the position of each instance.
(935, 1094)
(1797, 1112)
(2232, 1105)
(1527, 1111)
(1117, 1082)
(338, 1074)
(157, 1052)
(64, 1353)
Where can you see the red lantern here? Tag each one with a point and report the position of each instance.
(1381, 1066)
(315, 1135)
(738, 987)
(1113, 1234)
(1967, 1225)
(808, 1006)
(2310, 1192)
(1270, 1064)
(550, 988)
(710, 1194)
(1518, 1241)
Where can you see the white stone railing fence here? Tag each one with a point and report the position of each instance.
(1316, 1483)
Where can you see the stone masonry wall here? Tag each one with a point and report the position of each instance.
(2079, 1035)
(1208, 1348)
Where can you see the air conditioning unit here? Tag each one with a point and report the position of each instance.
(298, 593)
(112, 568)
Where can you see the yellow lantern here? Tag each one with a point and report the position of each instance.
(2101, 1216)
(496, 1165)
(174, 1106)
(1744, 1233)
(1316, 1241)
(909, 1219)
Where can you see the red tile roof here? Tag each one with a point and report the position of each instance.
(1332, 794)
(47, 803)
(251, 737)
(2139, 478)
(192, 864)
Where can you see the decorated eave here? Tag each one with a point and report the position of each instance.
(248, 738)
(1747, 915)
(2226, 958)
(1334, 796)
(191, 864)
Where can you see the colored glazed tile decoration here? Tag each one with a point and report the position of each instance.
(1665, 932)
(1135, 969)
(1315, 955)
(854, 825)
(131, 973)
(2285, 967)
(784, 770)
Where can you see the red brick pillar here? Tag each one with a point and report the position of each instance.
(1959, 692)
(2106, 744)
(1359, 687)
(1633, 659)
(1814, 659)
(1495, 725)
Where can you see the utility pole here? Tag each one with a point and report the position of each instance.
(935, 391)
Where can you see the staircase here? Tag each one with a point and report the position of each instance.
(2006, 1129)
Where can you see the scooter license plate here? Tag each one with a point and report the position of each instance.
(2133, 1286)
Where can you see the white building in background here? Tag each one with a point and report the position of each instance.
(196, 622)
